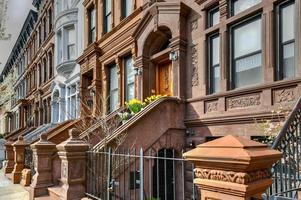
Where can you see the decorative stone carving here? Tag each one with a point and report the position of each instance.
(231, 176)
(211, 106)
(284, 95)
(194, 25)
(232, 168)
(194, 64)
(243, 101)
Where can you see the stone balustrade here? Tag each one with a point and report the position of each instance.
(232, 168)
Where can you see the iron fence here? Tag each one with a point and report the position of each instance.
(286, 173)
(132, 175)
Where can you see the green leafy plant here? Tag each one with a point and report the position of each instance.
(134, 106)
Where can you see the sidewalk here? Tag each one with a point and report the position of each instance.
(9, 191)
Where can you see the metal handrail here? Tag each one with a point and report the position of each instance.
(283, 131)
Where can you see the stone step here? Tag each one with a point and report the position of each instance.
(43, 198)
(55, 193)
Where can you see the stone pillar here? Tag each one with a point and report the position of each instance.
(19, 149)
(9, 156)
(42, 179)
(72, 153)
(232, 168)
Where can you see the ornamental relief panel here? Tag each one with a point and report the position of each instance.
(232, 177)
(243, 101)
(285, 95)
(194, 66)
(211, 106)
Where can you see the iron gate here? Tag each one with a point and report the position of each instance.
(127, 175)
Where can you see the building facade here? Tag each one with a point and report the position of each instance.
(232, 63)
(69, 45)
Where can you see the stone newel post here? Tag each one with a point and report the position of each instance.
(9, 156)
(232, 168)
(19, 150)
(72, 153)
(42, 158)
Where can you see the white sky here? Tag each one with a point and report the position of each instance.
(17, 12)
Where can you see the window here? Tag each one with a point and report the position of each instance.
(58, 6)
(60, 47)
(40, 36)
(214, 66)
(92, 27)
(113, 88)
(286, 38)
(71, 43)
(50, 20)
(129, 79)
(213, 16)
(45, 28)
(45, 70)
(50, 65)
(241, 5)
(107, 16)
(72, 99)
(126, 8)
(246, 49)
(40, 74)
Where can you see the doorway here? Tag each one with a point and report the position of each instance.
(164, 79)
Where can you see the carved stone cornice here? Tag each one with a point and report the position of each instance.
(231, 176)
(92, 49)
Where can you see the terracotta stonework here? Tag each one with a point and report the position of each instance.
(232, 168)
(43, 150)
(19, 150)
(72, 153)
(9, 156)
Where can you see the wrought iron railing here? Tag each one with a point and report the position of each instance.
(131, 174)
(286, 173)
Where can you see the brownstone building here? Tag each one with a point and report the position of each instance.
(229, 63)
(35, 71)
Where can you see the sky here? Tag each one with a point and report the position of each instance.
(17, 11)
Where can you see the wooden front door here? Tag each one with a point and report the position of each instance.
(164, 86)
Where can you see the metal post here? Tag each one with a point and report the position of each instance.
(109, 175)
(141, 175)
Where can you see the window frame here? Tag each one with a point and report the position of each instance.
(106, 16)
(231, 6)
(280, 44)
(126, 85)
(124, 13)
(232, 60)
(110, 90)
(209, 61)
(90, 28)
(210, 11)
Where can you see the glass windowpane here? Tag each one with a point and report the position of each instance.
(247, 38)
(289, 60)
(288, 23)
(241, 5)
(248, 70)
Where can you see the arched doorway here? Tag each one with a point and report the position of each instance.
(163, 175)
(158, 74)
